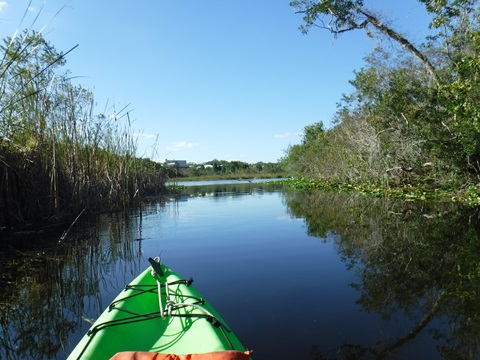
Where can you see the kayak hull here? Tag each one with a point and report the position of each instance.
(134, 322)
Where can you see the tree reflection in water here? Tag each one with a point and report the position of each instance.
(421, 260)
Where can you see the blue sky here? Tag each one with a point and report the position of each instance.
(212, 79)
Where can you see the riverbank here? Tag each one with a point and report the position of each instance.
(407, 192)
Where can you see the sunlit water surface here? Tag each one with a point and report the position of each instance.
(285, 293)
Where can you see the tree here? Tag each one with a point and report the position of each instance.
(461, 94)
(409, 108)
(339, 16)
(313, 133)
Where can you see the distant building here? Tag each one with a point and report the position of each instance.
(180, 164)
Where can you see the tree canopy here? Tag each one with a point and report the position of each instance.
(409, 108)
(339, 16)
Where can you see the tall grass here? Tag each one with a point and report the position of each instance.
(56, 156)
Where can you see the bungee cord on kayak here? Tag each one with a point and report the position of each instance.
(160, 315)
(172, 305)
(169, 308)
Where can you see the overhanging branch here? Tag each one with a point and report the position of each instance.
(403, 42)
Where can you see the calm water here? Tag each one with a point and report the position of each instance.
(295, 275)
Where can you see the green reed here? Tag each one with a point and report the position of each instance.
(56, 156)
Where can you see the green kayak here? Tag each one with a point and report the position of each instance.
(140, 324)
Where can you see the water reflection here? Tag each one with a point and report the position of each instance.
(419, 261)
(413, 270)
(234, 188)
(222, 182)
(46, 293)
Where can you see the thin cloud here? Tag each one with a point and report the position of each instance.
(286, 135)
(182, 145)
(144, 136)
(3, 6)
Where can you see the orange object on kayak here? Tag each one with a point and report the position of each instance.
(217, 355)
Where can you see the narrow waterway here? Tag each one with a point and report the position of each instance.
(295, 275)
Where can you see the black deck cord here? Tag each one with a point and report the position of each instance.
(152, 289)
(124, 321)
(155, 315)
(157, 268)
(222, 329)
(154, 286)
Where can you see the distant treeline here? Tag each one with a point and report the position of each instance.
(57, 158)
(215, 169)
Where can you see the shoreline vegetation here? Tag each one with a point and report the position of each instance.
(57, 158)
(406, 192)
(225, 170)
(227, 177)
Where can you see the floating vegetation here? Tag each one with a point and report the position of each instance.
(407, 192)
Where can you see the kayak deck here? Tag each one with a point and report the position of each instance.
(179, 322)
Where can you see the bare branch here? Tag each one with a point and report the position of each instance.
(402, 41)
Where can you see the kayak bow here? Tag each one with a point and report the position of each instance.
(160, 313)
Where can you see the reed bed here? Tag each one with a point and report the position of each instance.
(57, 157)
